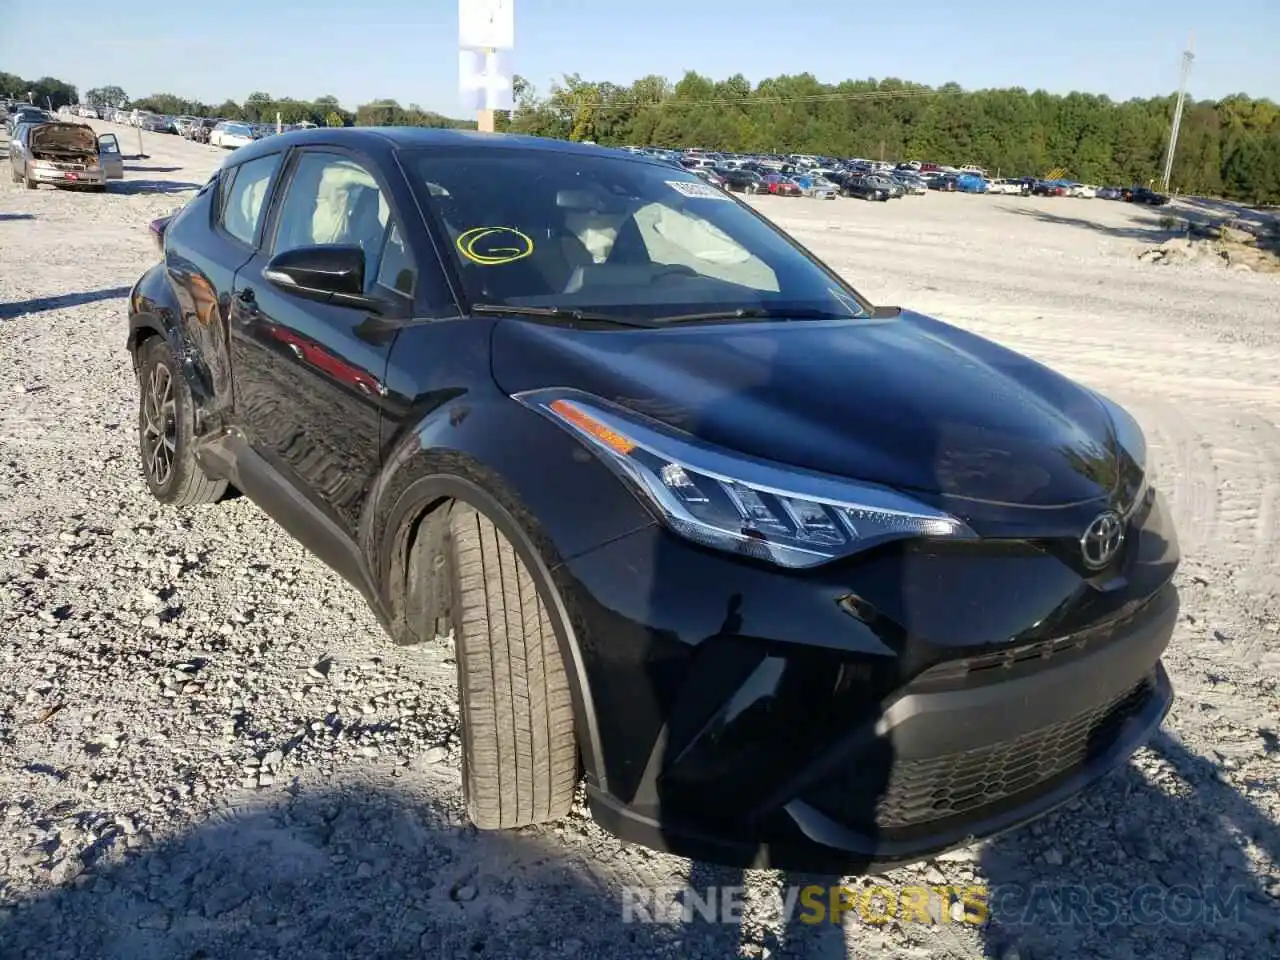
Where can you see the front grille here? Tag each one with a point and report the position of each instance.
(938, 788)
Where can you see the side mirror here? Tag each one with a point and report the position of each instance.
(329, 274)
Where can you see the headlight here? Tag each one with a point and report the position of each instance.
(792, 517)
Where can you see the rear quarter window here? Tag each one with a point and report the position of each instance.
(243, 197)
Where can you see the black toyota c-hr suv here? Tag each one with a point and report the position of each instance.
(789, 578)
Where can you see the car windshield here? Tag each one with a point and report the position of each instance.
(542, 228)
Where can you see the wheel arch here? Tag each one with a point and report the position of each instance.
(154, 312)
(144, 327)
(422, 510)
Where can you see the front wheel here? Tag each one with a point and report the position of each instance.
(166, 432)
(520, 756)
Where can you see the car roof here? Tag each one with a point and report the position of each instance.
(378, 139)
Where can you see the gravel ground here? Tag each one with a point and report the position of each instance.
(207, 749)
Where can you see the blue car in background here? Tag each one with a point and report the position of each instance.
(815, 186)
(971, 183)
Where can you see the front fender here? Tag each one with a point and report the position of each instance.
(552, 498)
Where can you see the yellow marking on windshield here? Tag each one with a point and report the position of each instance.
(479, 245)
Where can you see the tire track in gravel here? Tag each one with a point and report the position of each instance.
(1184, 469)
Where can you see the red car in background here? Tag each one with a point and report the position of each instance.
(783, 187)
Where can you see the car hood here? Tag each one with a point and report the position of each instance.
(64, 136)
(908, 402)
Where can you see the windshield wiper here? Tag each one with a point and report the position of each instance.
(760, 313)
(557, 313)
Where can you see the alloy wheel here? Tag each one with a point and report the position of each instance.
(160, 425)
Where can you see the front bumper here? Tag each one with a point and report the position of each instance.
(864, 716)
(70, 178)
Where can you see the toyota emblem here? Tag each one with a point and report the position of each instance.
(1102, 540)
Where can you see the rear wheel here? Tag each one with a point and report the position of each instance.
(520, 758)
(166, 431)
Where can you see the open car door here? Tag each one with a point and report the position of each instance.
(110, 157)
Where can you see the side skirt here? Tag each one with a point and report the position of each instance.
(229, 455)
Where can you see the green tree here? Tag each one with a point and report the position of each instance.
(53, 93)
(101, 97)
(1225, 146)
(228, 110)
(1229, 147)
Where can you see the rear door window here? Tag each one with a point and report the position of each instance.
(244, 197)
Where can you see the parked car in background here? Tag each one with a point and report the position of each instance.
(150, 122)
(1049, 188)
(944, 182)
(1081, 191)
(895, 189)
(64, 154)
(26, 114)
(712, 177)
(865, 188)
(1006, 187)
(231, 135)
(971, 183)
(1110, 193)
(812, 185)
(199, 129)
(1147, 196)
(782, 186)
(775, 610)
(911, 183)
(741, 180)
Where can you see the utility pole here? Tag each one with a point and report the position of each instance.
(1187, 58)
(485, 120)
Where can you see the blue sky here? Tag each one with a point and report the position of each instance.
(406, 49)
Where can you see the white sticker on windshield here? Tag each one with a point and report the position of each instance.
(698, 191)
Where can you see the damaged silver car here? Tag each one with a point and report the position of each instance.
(64, 155)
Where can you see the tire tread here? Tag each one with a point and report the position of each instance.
(521, 752)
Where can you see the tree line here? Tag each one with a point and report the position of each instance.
(1228, 147)
(258, 107)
